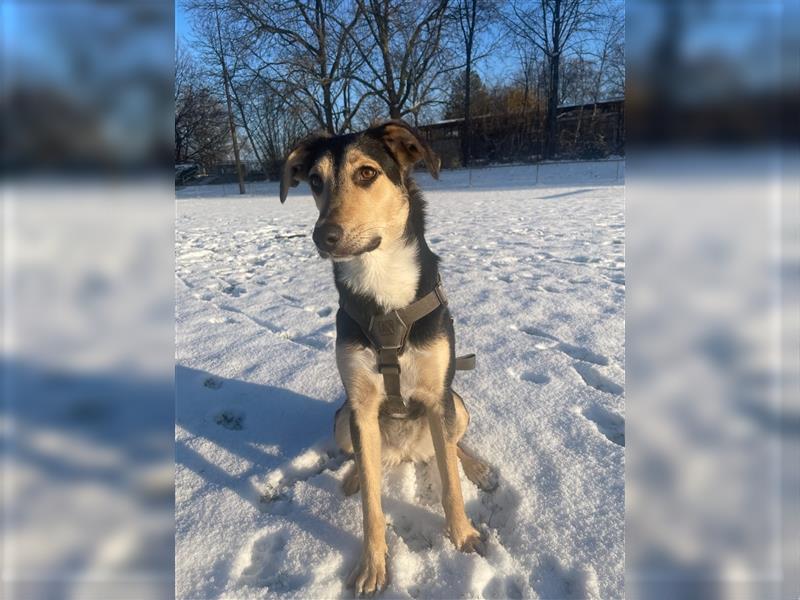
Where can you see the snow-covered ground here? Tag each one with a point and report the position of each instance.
(535, 277)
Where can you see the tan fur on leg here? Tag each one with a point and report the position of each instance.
(462, 533)
(370, 574)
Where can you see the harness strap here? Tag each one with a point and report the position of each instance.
(388, 334)
(465, 363)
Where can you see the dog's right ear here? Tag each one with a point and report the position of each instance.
(297, 164)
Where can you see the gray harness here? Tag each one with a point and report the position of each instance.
(388, 334)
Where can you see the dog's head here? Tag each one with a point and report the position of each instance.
(358, 184)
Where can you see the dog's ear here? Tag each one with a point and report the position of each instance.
(297, 164)
(407, 145)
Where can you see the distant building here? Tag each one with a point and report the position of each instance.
(591, 130)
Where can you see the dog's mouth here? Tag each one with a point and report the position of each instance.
(342, 256)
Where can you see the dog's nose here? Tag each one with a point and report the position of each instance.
(326, 236)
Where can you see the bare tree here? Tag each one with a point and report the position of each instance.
(285, 67)
(306, 46)
(226, 84)
(277, 124)
(610, 54)
(213, 41)
(552, 26)
(472, 18)
(403, 57)
(201, 133)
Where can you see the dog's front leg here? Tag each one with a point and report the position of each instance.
(370, 574)
(462, 533)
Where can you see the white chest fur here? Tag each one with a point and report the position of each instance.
(390, 275)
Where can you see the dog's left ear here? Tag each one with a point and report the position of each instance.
(407, 145)
(297, 164)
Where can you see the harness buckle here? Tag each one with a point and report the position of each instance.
(389, 369)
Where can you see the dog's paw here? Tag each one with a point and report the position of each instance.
(483, 476)
(350, 484)
(469, 540)
(370, 575)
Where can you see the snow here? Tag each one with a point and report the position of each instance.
(86, 408)
(535, 278)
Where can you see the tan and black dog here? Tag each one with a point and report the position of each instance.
(371, 225)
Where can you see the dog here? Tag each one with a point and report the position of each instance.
(371, 226)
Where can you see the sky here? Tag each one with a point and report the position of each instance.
(492, 67)
(182, 29)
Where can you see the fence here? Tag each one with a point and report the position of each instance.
(609, 171)
(587, 131)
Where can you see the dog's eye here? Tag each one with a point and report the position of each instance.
(367, 173)
(315, 181)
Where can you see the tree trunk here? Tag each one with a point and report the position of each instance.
(466, 137)
(327, 106)
(234, 139)
(551, 120)
(248, 132)
(471, 8)
(231, 123)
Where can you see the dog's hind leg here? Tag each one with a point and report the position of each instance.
(477, 471)
(351, 483)
(341, 432)
(341, 429)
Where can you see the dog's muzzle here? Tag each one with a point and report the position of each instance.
(330, 243)
(327, 236)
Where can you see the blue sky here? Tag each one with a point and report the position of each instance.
(182, 30)
(489, 69)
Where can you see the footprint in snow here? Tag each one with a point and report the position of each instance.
(583, 354)
(222, 320)
(212, 383)
(504, 586)
(230, 419)
(608, 423)
(592, 377)
(529, 376)
(536, 332)
(324, 312)
(280, 482)
(534, 377)
(311, 341)
(234, 290)
(271, 567)
(554, 580)
(576, 352)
